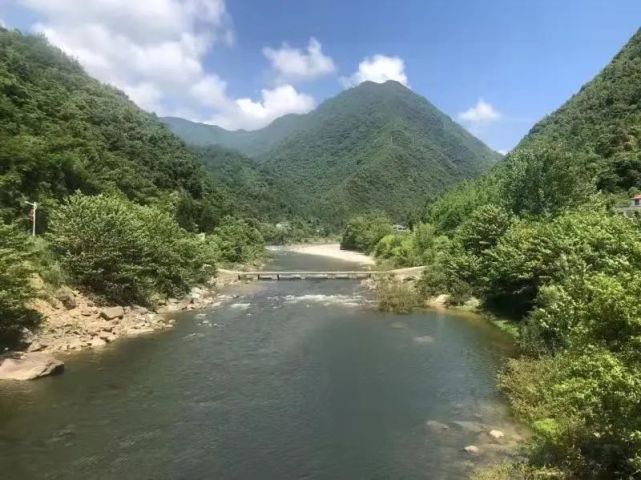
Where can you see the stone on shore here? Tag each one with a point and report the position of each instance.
(29, 366)
(112, 312)
(496, 434)
(66, 296)
(472, 450)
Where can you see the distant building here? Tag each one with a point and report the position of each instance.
(400, 228)
(634, 209)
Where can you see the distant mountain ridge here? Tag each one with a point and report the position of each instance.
(251, 143)
(372, 147)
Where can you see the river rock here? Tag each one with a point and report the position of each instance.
(472, 427)
(496, 434)
(66, 296)
(29, 366)
(436, 426)
(472, 450)
(97, 342)
(36, 346)
(106, 336)
(112, 312)
(93, 328)
(138, 331)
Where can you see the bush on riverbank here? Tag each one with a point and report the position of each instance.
(128, 253)
(396, 296)
(16, 290)
(237, 241)
(363, 232)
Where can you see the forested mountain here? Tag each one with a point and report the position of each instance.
(63, 131)
(242, 182)
(604, 119)
(252, 143)
(373, 147)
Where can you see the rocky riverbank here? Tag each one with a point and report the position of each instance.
(72, 321)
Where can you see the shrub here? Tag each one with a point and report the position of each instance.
(127, 252)
(396, 296)
(237, 241)
(363, 232)
(595, 309)
(483, 228)
(585, 408)
(536, 253)
(16, 271)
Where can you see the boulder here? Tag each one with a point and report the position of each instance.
(75, 343)
(496, 434)
(97, 342)
(66, 296)
(106, 336)
(138, 331)
(472, 450)
(36, 346)
(29, 366)
(112, 312)
(93, 328)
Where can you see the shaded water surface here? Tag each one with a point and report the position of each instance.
(285, 380)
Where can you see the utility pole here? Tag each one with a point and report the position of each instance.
(32, 216)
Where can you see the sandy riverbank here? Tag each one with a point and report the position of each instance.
(332, 250)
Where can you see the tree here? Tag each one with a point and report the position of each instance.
(16, 276)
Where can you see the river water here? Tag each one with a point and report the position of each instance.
(285, 380)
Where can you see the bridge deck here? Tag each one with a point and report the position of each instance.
(323, 275)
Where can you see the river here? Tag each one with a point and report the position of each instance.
(285, 380)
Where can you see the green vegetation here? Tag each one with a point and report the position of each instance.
(237, 241)
(362, 233)
(128, 253)
(121, 198)
(252, 143)
(244, 188)
(536, 240)
(16, 290)
(396, 296)
(373, 147)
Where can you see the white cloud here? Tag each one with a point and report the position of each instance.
(379, 69)
(155, 51)
(503, 152)
(249, 114)
(293, 64)
(482, 113)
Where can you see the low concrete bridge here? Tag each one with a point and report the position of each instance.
(402, 273)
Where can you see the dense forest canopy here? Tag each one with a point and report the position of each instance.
(63, 131)
(373, 147)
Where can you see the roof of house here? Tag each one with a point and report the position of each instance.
(637, 197)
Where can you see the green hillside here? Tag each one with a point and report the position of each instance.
(63, 131)
(375, 146)
(252, 143)
(248, 189)
(604, 119)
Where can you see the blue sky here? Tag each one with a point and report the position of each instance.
(495, 66)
